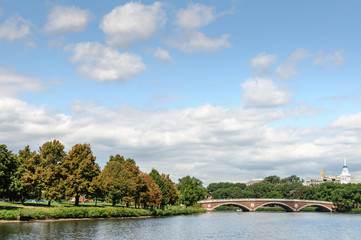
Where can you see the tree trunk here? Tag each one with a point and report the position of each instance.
(77, 200)
(114, 202)
(96, 201)
(49, 203)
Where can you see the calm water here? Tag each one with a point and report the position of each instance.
(215, 225)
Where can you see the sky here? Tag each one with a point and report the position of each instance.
(220, 90)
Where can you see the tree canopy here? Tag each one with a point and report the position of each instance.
(191, 190)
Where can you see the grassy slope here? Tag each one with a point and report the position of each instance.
(12, 211)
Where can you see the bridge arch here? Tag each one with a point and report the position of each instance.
(322, 207)
(244, 208)
(284, 206)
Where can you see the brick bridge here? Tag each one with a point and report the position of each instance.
(251, 204)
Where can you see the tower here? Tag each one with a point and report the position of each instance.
(345, 176)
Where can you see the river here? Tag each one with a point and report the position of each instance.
(213, 225)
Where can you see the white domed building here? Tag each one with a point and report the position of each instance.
(345, 176)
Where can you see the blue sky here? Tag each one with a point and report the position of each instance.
(220, 90)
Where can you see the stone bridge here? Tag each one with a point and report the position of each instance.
(251, 204)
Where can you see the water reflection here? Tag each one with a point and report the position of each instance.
(216, 225)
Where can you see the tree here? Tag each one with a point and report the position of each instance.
(116, 181)
(8, 167)
(96, 189)
(150, 194)
(263, 189)
(52, 155)
(172, 190)
(80, 169)
(272, 179)
(162, 186)
(226, 190)
(292, 179)
(133, 170)
(222, 193)
(31, 176)
(19, 189)
(116, 158)
(191, 190)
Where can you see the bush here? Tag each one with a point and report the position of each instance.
(92, 212)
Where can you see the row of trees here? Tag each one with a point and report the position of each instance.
(344, 196)
(270, 187)
(53, 174)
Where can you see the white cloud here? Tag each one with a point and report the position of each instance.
(299, 54)
(102, 63)
(195, 41)
(13, 83)
(230, 144)
(194, 16)
(288, 69)
(262, 62)
(67, 20)
(162, 55)
(15, 28)
(189, 38)
(337, 58)
(352, 121)
(261, 92)
(132, 22)
(24, 124)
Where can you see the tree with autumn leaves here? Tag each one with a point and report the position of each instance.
(52, 174)
(79, 169)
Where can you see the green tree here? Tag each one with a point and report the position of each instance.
(116, 181)
(272, 179)
(226, 190)
(52, 155)
(19, 190)
(172, 190)
(191, 190)
(263, 189)
(8, 167)
(222, 193)
(96, 189)
(134, 172)
(80, 169)
(342, 200)
(31, 176)
(292, 179)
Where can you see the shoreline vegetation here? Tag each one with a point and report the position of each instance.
(19, 213)
(53, 176)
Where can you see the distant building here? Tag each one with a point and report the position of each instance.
(344, 178)
(253, 181)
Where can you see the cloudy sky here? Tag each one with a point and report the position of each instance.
(220, 90)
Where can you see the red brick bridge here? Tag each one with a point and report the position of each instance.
(251, 204)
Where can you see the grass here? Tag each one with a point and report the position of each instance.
(355, 210)
(38, 211)
(309, 209)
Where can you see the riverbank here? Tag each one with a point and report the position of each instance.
(85, 212)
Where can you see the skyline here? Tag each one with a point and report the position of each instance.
(223, 91)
